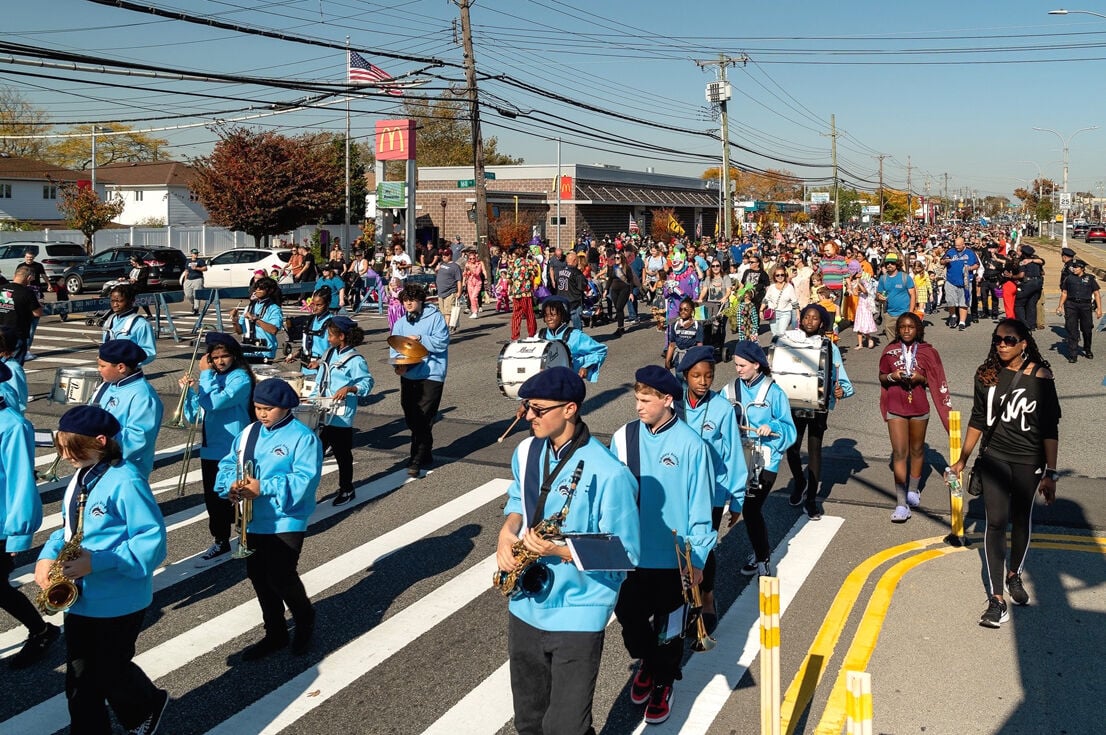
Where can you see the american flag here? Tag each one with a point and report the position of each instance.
(633, 224)
(360, 70)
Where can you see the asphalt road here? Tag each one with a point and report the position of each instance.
(412, 639)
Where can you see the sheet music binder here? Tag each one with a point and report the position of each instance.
(598, 552)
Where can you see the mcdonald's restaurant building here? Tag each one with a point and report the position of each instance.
(597, 199)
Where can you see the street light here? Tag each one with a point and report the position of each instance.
(1074, 12)
(1065, 142)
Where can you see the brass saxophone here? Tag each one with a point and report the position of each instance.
(61, 592)
(550, 528)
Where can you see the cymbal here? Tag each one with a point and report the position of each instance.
(405, 360)
(408, 348)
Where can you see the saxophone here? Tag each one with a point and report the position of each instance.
(550, 528)
(60, 592)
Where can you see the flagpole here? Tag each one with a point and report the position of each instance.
(345, 229)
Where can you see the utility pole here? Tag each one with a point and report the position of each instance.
(909, 211)
(477, 139)
(880, 157)
(720, 94)
(833, 155)
(946, 196)
(928, 206)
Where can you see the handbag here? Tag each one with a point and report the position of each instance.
(974, 485)
(769, 314)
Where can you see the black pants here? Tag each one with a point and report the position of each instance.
(1025, 302)
(220, 511)
(646, 599)
(553, 677)
(14, 602)
(710, 568)
(340, 441)
(816, 424)
(420, 400)
(620, 294)
(753, 514)
(1008, 491)
(989, 304)
(1077, 318)
(99, 672)
(272, 571)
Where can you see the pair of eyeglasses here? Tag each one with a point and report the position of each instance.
(1005, 339)
(781, 275)
(540, 411)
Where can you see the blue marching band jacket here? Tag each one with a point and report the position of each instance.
(586, 352)
(20, 503)
(313, 343)
(129, 325)
(337, 369)
(137, 408)
(764, 403)
(225, 400)
(14, 389)
(258, 341)
(717, 422)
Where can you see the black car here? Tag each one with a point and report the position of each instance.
(166, 266)
(1080, 230)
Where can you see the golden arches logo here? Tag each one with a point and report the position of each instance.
(391, 134)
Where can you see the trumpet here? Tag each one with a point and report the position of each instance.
(694, 600)
(51, 473)
(178, 422)
(243, 510)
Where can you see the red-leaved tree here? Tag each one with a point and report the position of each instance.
(85, 211)
(263, 183)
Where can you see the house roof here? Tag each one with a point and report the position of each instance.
(161, 173)
(30, 169)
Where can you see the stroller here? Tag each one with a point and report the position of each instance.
(593, 312)
(714, 329)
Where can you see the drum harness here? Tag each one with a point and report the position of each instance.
(325, 369)
(549, 336)
(308, 339)
(111, 320)
(732, 392)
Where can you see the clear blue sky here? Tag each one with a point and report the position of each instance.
(956, 86)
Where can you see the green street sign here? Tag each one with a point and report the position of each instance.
(391, 194)
(466, 183)
(489, 176)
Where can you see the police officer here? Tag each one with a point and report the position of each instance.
(1078, 291)
(1067, 255)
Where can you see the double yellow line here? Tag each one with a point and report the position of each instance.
(801, 691)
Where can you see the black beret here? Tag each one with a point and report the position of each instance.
(342, 323)
(5, 373)
(657, 377)
(556, 301)
(89, 421)
(696, 355)
(554, 384)
(124, 351)
(1068, 252)
(751, 352)
(1078, 263)
(276, 393)
(221, 338)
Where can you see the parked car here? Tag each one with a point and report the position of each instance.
(55, 256)
(166, 266)
(1095, 233)
(1079, 229)
(236, 267)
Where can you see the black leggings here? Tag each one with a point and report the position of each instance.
(12, 600)
(710, 568)
(1008, 491)
(340, 441)
(753, 514)
(620, 294)
(220, 511)
(817, 426)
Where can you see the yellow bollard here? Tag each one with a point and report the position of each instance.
(858, 703)
(770, 656)
(956, 500)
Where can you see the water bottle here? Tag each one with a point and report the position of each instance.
(953, 481)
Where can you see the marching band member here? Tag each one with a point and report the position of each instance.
(421, 385)
(555, 637)
(676, 481)
(813, 323)
(275, 464)
(587, 355)
(715, 420)
(767, 413)
(313, 343)
(129, 397)
(20, 517)
(124, 322)
(123, 543)
(343, 376)
(262, 320)
(14, 388)
(224, 393)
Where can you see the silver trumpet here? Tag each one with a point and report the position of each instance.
(243, 510)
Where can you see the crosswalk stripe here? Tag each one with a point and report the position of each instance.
(51, 715)
(44, 459)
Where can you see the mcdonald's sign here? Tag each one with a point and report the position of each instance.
(566, 188)
(395, 140)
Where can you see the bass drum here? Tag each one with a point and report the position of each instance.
(73, 385)
(803, 371)
(520, 360)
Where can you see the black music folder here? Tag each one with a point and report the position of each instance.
(598, 552)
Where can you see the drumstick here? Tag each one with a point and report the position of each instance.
(753, 428)
(508, 431)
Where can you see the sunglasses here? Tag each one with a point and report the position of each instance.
(781, 275)
(540, 411)
(1005, 339)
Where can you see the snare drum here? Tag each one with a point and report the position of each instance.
(75, 385)
(295, 380)
(803, 371)
(313, 412)
(264, 372)
(518, 361)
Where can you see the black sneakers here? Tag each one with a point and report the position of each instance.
(1014, 586)
(995, 615)
(343, 497)
(660, 705)
(263, 648)
(757, 568)
(35, 647)
(641, 688)
(216, 550)
(797, 494)
(149, 725)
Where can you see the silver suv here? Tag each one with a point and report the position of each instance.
(54, 255)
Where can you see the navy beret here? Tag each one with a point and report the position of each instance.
(751, 352)
(221, 338)
(5, 373)
(1028, 250)
(554, 384)
(822, 314)
(695, 355)
(1068, 252)
(559, 301)
(276, 393)
(342, 323)
(124, 351)
(657, 377)
(89, 421)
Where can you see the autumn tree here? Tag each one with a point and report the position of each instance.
(85, 211)
(20, 117)
(1031, 197)
(358, 187)
(120, 145)
(665, 224)
(505, 230)
(263, 183)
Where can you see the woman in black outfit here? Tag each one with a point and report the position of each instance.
(622, 282)
(1031, 279)
(1019, 459)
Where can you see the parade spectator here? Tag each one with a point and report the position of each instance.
(896, 291)
(960, 264)
(522, 275)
